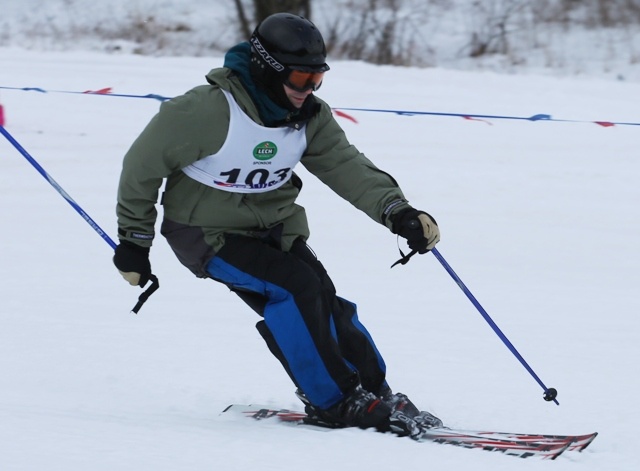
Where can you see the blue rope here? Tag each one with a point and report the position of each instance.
(120, 95)
(536, 117)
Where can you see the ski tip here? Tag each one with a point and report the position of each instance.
(587, 442)
(560, 451)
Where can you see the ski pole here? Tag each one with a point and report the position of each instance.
(154, 280)
(550, 394)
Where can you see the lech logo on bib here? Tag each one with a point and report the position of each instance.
(265, 150)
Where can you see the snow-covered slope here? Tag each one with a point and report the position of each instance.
(540, 219)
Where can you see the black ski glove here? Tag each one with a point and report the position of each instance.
(418, 227)
(132, 261)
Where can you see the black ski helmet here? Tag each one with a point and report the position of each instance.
(282, 42)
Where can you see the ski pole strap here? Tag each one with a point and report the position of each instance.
(155, 284)
(405, 258)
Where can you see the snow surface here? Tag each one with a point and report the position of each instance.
(540, 219)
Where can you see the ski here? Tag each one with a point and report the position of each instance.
(547, 446)
(576, 442)
(514, 444)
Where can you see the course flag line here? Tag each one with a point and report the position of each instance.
(467, 116)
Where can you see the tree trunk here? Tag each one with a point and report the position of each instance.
(264, 8)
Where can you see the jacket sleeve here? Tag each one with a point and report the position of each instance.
(343, 168)
(173, 139)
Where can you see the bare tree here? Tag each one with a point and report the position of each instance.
(393, 31)
(245, 28)
(378, 31)
(264, 8)
(492, 23)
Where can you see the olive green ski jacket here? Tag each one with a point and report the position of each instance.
(197, 216)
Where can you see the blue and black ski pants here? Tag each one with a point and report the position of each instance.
(315, 334)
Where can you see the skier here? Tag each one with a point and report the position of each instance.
(228, 150)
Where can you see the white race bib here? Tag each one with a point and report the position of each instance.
(253, 158)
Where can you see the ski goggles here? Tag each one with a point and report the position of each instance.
(303, 80)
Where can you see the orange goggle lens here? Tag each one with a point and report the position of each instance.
(303, 81)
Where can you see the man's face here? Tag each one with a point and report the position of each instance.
(296, 98)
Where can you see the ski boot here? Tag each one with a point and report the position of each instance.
(400, 402)
(364, 410)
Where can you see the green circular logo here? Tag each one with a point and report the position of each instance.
(265, 150)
